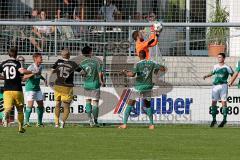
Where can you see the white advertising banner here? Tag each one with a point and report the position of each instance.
(177, 105)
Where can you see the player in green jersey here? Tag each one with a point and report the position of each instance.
(33, 90)
(221, 72)
(93, 80)
(143, 86)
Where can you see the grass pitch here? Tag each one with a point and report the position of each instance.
(166, 142)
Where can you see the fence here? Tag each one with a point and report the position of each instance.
(107, 10)
(175, 40)
(115, 42)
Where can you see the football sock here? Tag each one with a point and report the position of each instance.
(28, 111)
(150, 115)
(89, 109)
(214, 112)
(126, 114)
(225, 111)
(40, 111)
(95, 111)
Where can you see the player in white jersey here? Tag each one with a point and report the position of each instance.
(221, 72)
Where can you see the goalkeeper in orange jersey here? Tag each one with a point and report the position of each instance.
(144, 45)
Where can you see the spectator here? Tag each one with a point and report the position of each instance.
(152, 17)
(34, 15)
(137, 16)
(41, 32)
(108, 11)
(27, 15)
(66, 9)
(145, 16)
(27, 31)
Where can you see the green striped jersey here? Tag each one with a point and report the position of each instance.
(33, 83)
(92, 67)
(144, 70)
(221, 74)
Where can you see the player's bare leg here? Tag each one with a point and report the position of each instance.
(66, 111)
(20, 119)
(214, 113)
(40, 111)
(127, 112)
(57, 113)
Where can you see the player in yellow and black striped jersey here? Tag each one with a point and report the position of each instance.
(63, 86)
(13, 94)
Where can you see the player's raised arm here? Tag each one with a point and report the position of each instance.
(141, 44)
(156, 29)
(153, 40)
